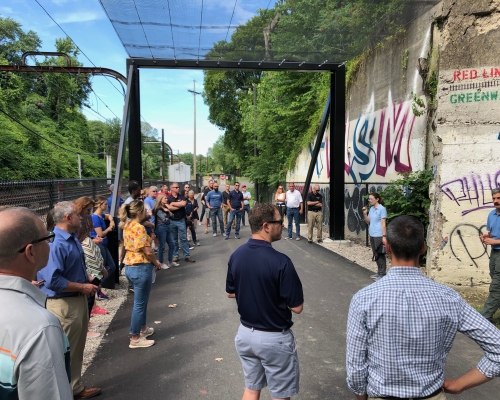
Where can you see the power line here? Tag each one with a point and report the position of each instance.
(201, 23)
(48, 140)
(81, 51)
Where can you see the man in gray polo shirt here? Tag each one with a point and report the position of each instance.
(34, 351)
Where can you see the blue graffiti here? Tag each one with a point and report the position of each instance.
(362, 142)
(319, 160)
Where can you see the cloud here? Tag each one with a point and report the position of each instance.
(83, 16)
(6, 10)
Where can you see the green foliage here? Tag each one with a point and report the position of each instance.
(417, 105)
(409, 195)
(432, 85)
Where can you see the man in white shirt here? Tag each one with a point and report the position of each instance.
(246, 201)
(294, 208)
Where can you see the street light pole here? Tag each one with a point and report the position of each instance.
(163, 155)
(194, 98)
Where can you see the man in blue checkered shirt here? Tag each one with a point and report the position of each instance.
(401, 328)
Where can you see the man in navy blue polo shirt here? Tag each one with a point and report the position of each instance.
(492, 238)
(236, 204)
(267, 289)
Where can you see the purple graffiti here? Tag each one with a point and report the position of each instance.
(473, 192)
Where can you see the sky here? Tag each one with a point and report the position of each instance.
(165, 100)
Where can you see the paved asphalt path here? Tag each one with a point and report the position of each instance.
(182, 364)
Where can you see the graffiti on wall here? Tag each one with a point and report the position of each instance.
(354, 201)
(379, 139)
(466, 237)
(473, 192)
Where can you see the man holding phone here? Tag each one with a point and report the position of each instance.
(35, 351)
(67, 286)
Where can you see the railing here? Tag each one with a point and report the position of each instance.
(41, 196)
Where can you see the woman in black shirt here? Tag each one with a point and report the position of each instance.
(162, 230)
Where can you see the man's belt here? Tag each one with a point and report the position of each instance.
(318, 210)
(495, 249)
(414, 398)
(263, 330)
(75, 294)
(293, 208)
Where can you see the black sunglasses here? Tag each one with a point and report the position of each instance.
(279, 221)
(49, 239)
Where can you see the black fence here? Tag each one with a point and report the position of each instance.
(41, 196)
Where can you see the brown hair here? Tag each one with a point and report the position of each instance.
(158, 202)
(280, 187)
(260, 213)
(83, 202)
(85, 228)
(377, 196)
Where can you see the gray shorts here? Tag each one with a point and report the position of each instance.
(269, 359)
(207, 213)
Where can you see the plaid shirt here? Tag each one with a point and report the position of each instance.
(400, 330)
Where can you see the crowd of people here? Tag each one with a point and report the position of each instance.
(403, 319)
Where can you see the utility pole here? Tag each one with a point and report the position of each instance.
(163, 155)
(79, 166)
(256, 184)
(194, 98)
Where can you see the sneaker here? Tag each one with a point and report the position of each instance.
(320, 241)
(310, 241)
(226, 238)
(197, 243)
(93, 325)
(175, 259)
(147, 332)
(191, 247)
(190, 260)
(236, 236)
(173, 264)
(141, 342)
(130, 289)
(224, 234)
(374, 276)
(297, 239)
(164, 266)
(214, 235)
(99, 310)
(102, 296)
(288, 238)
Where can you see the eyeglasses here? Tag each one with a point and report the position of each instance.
(154, 191)
(174, 187)
(49, 239)
(279, 221)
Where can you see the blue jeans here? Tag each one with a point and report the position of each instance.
(165, 236)
(192, 229)
(109, 264)
(290, 214)
(178, 229)
(246, 209)
(232, 213)
(141, 275)
(215, 213)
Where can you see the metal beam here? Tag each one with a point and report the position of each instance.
(134, 132)
(67, 70)
(317, 146)
(298, 66)
(337, 153)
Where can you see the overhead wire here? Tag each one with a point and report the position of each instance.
(81, 51)
(201, 23)
(171, 28)
(48, 140)
(143, 31)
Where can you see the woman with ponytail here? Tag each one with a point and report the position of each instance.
(139, 263)
(376, 218)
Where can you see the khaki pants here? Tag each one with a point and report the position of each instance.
(225, 211)
(440, 396)
(314, 218)
(73, 314)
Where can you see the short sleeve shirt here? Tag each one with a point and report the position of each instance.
(135, 239)
(99, 222)
(235, 198)
(265, 284)
(246, 197)
(181, 212)
(493, 226)
(314, 197)
(293, 199)
(376, 214)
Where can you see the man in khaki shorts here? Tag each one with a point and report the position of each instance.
(401, 328)
(267, 289)
(314, 201)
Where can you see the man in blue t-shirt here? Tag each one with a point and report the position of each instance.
(267, 289)
(110, 199)
(214, 201)
(236, 204)
(492, 238)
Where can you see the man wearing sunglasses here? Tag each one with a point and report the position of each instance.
(67, 286)
(35, 351)
(267, 290)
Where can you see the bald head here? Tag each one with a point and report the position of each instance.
(18, 227)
